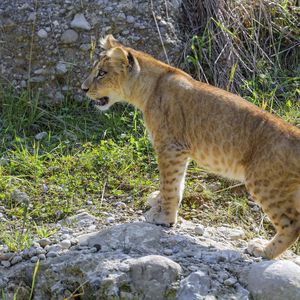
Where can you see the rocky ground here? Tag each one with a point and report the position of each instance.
(50, 45)
(132, 259)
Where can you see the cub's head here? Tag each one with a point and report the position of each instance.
(108, 80)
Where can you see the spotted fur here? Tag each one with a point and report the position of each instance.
(221, 131)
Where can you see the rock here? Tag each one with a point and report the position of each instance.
(199, 229)
(129, 260)
(82, 219)
(20, 197)
(54, 248)
(230, 281)
(34, 259)
(16, 259)
(140, 237)
(52, 254)
(32, 16)
(274, 280)
(69, 36)
(65, 244)
(80, 22)
(6, 256)
(228, 255)
(42, 33)
(110, 220)
(58, 96)
(195, 286)
(130, 19)
(5, 263)
(121, 204)
(232, 233)
(40, 135)
(61, 68)
(44, 242)
(42, 256)
(296, 260)
(168, 252)
(153, 275)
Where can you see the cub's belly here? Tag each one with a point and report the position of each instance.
(221, 164)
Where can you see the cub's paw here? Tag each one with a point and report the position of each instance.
(256, 247)
(156, 213)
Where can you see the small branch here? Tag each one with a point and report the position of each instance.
(103, 191)
(160, 37)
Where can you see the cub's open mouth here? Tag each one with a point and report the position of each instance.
(101, 101)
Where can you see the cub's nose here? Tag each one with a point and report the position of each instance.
(84, 88)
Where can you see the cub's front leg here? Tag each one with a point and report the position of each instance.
(172, 163)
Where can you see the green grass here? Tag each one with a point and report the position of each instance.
(83, 152)
(90, 156)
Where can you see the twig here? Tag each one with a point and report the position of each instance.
(229, 188)
(75, 294)
(103, 191)
(158, 30)
(31, 46)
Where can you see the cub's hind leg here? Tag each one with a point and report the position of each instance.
(172, 164)
(278, 202)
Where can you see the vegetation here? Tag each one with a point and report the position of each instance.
(65, 155)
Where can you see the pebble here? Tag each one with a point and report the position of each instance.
(85, 47)
(5, 263)
(80, 22)
(6, 256)
(61, 68)
(69, 36)
(230, 281)
(168, 251)
(44, 242)
(52, 254)
(65, 244)
(130, 19)
(42, 256)
(20, 197)
(110, 220)
(53, 248)
(40, 135)
(32, 16)
(232, 233)
(65, 236)
(121, 204)
(42, 33)
(16, 259)
(83, 243)
(92, 228)
(34, 259)
(199, 229)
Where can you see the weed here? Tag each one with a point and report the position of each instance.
(34, 278)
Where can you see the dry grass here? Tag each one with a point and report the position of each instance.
(233, 40)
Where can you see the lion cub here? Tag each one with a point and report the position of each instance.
(221, 131)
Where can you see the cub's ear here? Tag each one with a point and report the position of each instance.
(109, 42)
(121, 59)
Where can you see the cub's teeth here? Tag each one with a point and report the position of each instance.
(102, 101)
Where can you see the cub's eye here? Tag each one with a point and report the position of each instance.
(100, 74)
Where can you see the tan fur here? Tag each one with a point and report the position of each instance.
(221, 131)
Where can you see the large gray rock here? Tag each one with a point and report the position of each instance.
(274, 280)
(153, 275)
(133, 237)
